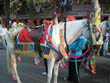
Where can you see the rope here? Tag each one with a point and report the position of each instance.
(48, 41)
(82, 60)
(74, 56)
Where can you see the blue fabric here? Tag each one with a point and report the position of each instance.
(50, 32)
(81, 41)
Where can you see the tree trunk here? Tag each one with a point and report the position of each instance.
(7, 8)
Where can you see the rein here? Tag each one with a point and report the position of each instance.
(48, 41)
(67, 49)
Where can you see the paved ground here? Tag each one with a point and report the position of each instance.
(32, 74)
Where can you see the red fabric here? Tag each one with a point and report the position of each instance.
(71, 18)
(47, 22)
(24, 36)
(46, 27)
(42, 40)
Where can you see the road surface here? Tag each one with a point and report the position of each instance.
(29, 73)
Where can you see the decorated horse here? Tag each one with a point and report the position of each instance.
(71, 35)
(56, 43)
(82, 29)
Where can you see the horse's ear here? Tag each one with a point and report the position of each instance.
(55, 20)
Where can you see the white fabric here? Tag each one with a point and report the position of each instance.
(73, 30)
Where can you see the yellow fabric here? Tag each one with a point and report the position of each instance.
(62, 49)
(19, 24)
(28, 52)
(93, 62)
(48, 56)
(97, 21)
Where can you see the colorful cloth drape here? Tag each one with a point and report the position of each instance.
(46, 51)
(25, 48)
(24, 36)
(24, 44)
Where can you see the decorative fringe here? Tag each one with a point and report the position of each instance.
(25, 48)
(62, 49)
(100, 41)
(97, 23)
(28, 52)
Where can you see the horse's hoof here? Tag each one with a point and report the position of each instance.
(37, 64)
(62, 67)
(88, 68)
(19, 82)
(93, 72)
(19, 60)
(14, 78)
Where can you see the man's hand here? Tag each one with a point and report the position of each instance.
(74, 50)
(67, 50)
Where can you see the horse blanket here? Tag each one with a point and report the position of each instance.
(24, 43)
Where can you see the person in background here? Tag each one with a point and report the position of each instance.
(75, 49)
(3, 32)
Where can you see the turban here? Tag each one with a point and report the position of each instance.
(71, 18)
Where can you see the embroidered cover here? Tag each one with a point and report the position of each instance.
(25, 48)
(46, 52)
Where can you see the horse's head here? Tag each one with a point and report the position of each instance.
(73, 31)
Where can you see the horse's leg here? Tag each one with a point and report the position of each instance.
(99, 49)
(10, 67)
(62, 64)
(4, 43)
(56, 67)
(14, 66)
(51, 63)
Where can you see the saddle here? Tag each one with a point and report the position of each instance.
(33, 36)
(26, 43)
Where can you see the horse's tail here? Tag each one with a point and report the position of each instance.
(9, 65)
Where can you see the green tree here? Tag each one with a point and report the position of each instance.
(15, 6)
(6, 7)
